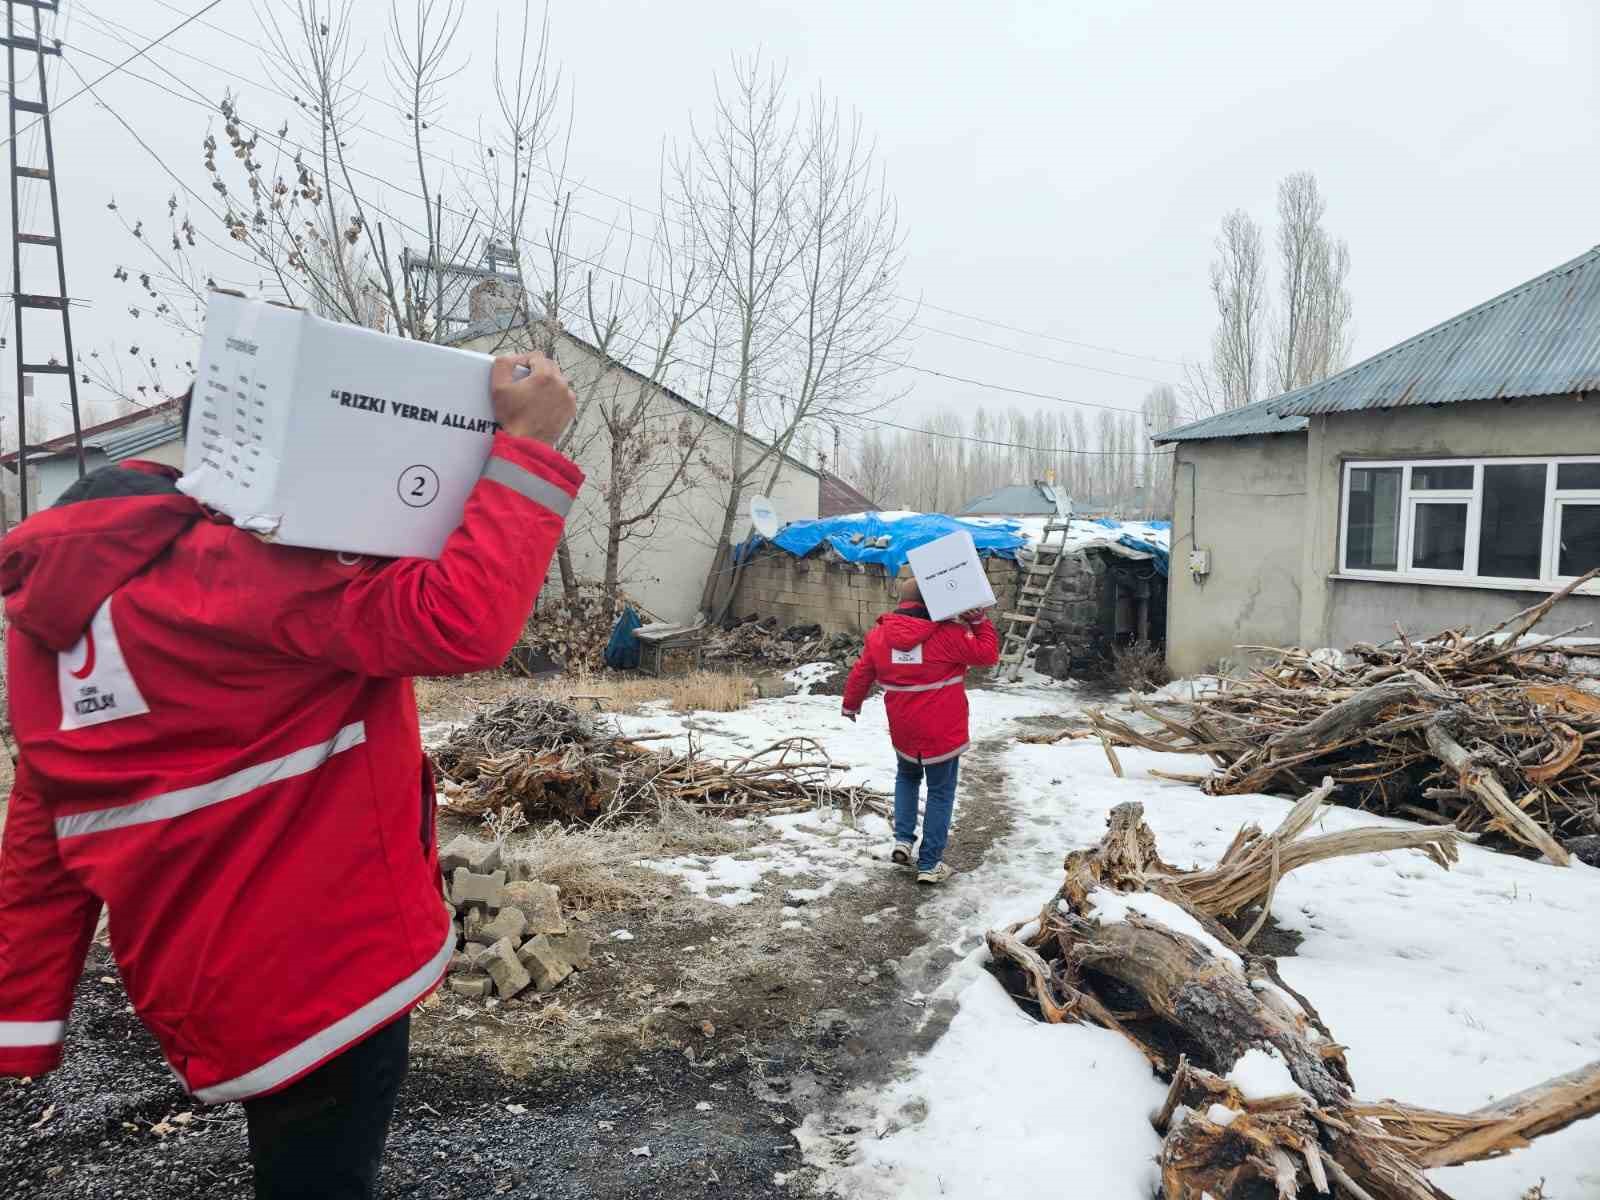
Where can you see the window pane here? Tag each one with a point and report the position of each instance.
(1511, 533)
(1439, 537)
(1453, 479)
(1578, 476)
(1580, 538)
(1373, 538)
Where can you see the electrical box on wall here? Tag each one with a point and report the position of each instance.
(1199, 563)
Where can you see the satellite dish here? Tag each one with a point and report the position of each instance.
(764, 516)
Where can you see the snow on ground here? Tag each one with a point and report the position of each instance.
(1450, 989)
(806, 676)
(826, 844)
(1020, 1111)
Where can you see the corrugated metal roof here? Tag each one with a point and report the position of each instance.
(1542, 338)
(157, 430)
(836, 498)
(1260, 417)
(1539, 339)
(1018, 500)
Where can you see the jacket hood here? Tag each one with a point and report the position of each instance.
(58, 566)
(908, 626)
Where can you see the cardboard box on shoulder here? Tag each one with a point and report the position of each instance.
(334, 437)
(950, 575)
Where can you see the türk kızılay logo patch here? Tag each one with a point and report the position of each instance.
(96, 685)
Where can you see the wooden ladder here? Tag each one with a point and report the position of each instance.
(1017, 629)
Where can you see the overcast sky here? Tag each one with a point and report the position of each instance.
(1060, 168)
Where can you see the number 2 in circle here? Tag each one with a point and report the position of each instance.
(418, 486)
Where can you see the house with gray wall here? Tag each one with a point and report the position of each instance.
(153, 434)
(1449, 481)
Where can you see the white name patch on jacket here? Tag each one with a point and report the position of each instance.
(912, 657)
(96, 685)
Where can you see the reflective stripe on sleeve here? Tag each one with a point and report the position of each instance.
(924, 687)
(525, 483)
(191, 799)
(24, 1034)
(342, 1033)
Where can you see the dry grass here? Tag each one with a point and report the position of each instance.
(702, 691)
(461, 698)
(458, 698)
(1139, 667)
(600, 868)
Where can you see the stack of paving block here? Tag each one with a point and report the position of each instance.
(510, 933)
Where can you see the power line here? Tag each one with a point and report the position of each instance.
(898, 364)
(162, 163)
(634, 205)
(963, 437)
(1034, 333)
(416, 196)
(140, 53)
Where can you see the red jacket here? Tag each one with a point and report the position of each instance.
(922, 667)
(219, 744)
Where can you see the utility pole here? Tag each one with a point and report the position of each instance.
(19, 238)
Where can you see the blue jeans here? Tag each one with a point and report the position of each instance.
(941, 803)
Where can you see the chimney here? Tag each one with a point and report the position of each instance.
(491, 298)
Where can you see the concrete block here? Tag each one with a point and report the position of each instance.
(503, 966)
(473, 854)
(459, 964)
(546, 960)
(472, 922)
(472, 987)
(577, 946)
(468, 887)
(539, 904)
(507, 923)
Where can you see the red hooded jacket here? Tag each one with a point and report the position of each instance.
(922, 667)
(219, 743)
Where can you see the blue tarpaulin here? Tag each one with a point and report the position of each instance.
(622, 651)
(857, 538)
(1134, 535)
(870, 537)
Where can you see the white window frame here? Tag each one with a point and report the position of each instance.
(1549, 551)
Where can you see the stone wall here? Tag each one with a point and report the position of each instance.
(1077, 619)
(841, 597)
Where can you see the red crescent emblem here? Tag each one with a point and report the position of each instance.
(87, 669)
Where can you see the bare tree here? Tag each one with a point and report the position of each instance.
(1312, 337)
(1161, 413)
(874, 471)
(807, 247)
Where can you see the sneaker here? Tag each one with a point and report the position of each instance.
(938, 873)
(902, 854)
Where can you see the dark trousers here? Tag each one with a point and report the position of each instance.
(322, 1137)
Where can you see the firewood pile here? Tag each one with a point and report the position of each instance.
(1261, 1101)
(1490, 734)
(763, 643)
(553, 761)
(571, 635)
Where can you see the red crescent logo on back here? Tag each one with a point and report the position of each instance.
(87, 669)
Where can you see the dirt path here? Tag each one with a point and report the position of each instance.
(717, 1038)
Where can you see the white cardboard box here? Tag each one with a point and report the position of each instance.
(950, 575)
(333, 436)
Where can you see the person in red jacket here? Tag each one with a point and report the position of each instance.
(219, 745)
(921, 665)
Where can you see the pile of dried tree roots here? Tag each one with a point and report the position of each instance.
(1110, 948)
(556, 762)
(1488, 734)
